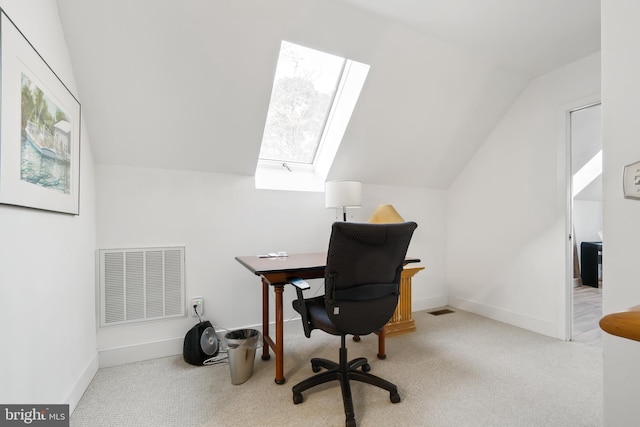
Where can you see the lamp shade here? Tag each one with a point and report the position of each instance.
(385, 214)
(343, 194)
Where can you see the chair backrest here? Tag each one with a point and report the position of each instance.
(362, 274)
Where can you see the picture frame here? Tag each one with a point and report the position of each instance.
(39, 129)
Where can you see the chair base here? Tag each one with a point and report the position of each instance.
(343, 372)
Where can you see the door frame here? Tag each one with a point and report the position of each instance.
(565, 327)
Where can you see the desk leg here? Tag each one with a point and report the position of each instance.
(265, 320)
(280, 379)
(382, 354)
(276, 345)
(381, 350)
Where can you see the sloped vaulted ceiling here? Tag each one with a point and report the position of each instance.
(186, 84)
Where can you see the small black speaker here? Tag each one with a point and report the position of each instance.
(200, 344)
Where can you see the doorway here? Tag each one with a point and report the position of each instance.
(586, 223)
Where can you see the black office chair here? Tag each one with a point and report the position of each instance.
(362, 284)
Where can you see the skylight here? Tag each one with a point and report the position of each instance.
(587, 173)
(312, 99)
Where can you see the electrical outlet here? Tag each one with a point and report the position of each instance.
(198, 302)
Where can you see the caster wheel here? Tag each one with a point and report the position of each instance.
(366, 367)
(356, 338)
(394, 397)
(297, 398)
(315, 368)
(351, 422)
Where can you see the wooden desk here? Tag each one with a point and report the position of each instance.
(274, 272)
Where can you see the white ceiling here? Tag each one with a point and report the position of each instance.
(533, 36)
(186, 85)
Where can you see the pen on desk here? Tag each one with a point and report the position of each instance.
(280, 254)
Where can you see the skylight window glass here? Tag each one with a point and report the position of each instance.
(303, 92)
(587, 174)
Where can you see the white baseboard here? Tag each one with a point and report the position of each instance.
(172, 347)
(536, 325)
(155, 349)
(429, 303)
(139, 352)
(81, 385)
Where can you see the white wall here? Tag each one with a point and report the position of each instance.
(620, 92)
(48, 351)
(506, 212)
(220, 216)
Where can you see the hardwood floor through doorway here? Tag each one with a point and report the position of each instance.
(587, 312)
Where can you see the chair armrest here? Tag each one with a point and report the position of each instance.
(299, 305)
(298, 283)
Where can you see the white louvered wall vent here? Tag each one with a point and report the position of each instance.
(141, 284)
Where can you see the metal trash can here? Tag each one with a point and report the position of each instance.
(241, 349)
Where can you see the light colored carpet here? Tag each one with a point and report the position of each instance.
(457, 369)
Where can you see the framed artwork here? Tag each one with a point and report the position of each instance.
(39, 129)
